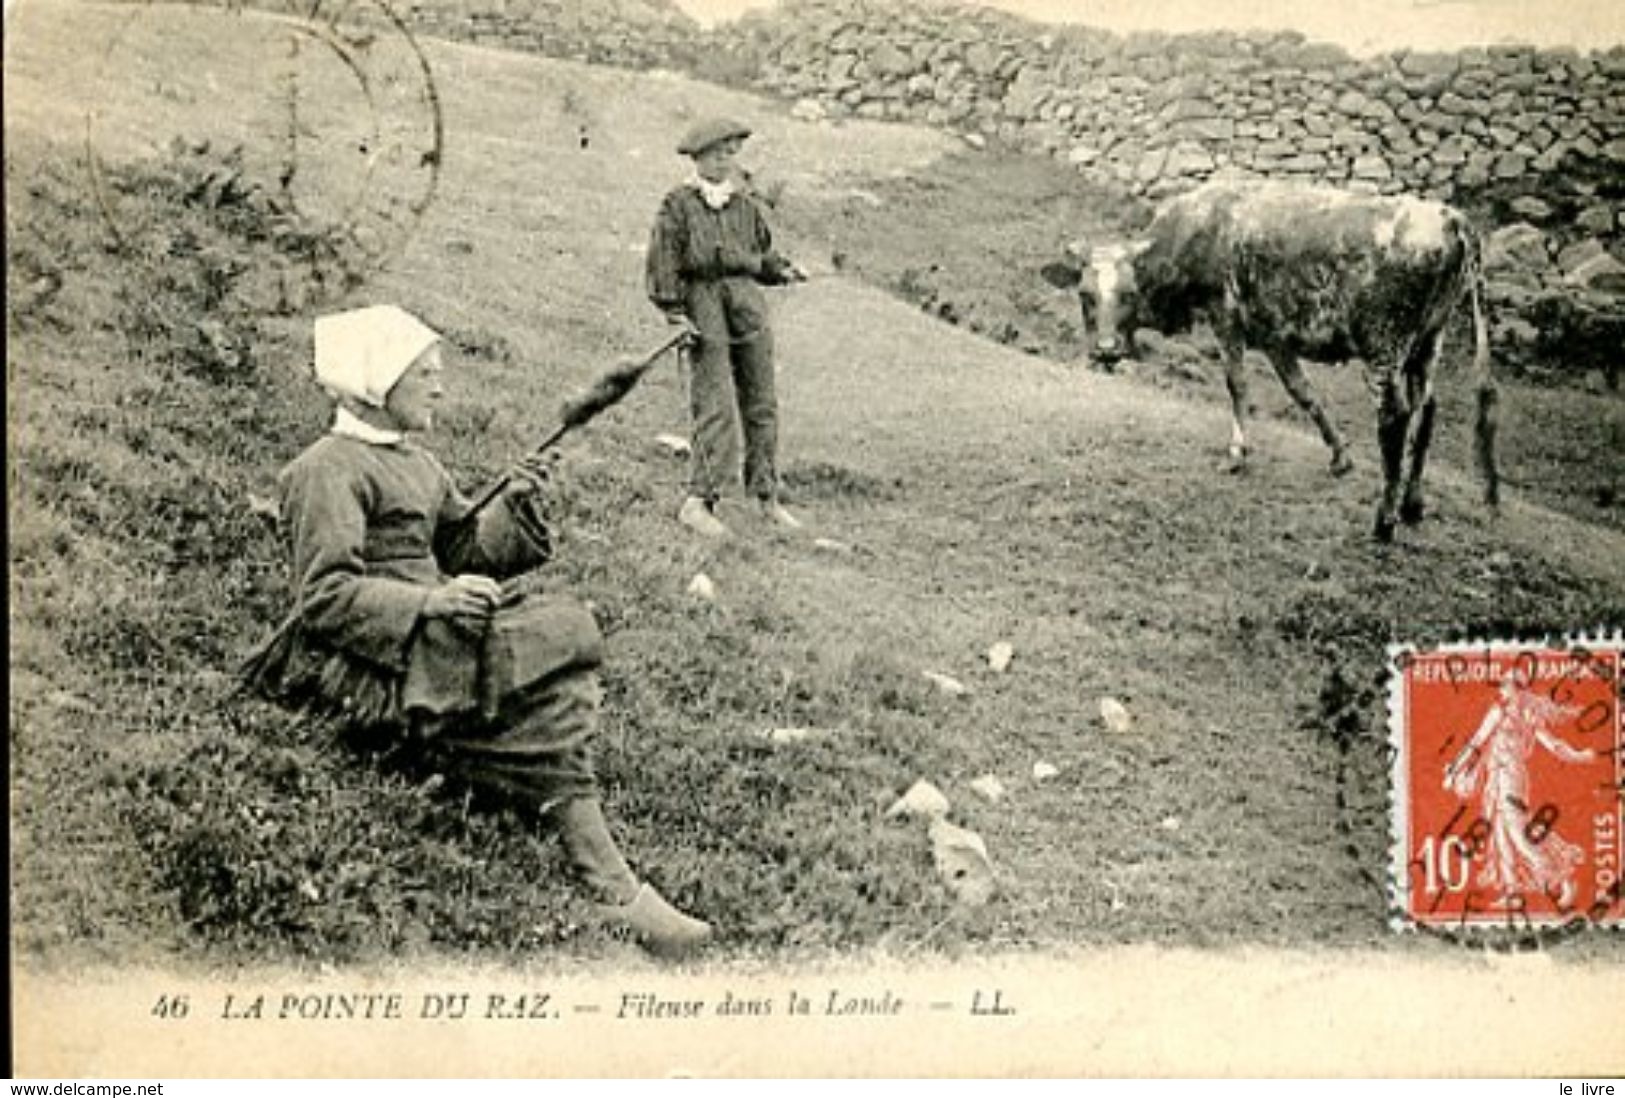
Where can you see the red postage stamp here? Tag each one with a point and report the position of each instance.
(1508, 785)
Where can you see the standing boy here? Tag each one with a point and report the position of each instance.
(709, 254)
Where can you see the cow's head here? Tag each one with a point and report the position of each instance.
(1107, 294)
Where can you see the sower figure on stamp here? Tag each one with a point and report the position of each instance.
(402, 624)
(1494, 764)
(709, 255)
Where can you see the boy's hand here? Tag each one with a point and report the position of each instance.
(678, 319)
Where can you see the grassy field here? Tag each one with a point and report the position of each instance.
(989, 490)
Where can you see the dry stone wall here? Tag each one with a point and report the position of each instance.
(1157, 113)
(1152, 112)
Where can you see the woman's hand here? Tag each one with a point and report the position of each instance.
(468, 600)
(532, 473)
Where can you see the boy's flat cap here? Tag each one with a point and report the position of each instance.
(703, 135)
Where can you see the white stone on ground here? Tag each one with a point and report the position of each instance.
(1115, 715)
(962, 862)
(922, 799)
(989, 787)
(947, 683)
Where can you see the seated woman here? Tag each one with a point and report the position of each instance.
(400, 618)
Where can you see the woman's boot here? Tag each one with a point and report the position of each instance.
(621, 897)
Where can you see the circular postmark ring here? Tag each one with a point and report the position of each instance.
(347, 58)
(379, 215)
(1563, 700)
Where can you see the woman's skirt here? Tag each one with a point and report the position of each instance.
(536, 753)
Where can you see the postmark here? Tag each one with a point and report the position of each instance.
(333, 106)
(1507, 770)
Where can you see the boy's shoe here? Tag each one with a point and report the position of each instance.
(696, 514)
(776, 513)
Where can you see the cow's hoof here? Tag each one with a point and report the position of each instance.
(1233, 464)
(1384, 531)
(1411, 512)
(1342, 465)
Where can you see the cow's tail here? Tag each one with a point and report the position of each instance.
(1483, 379)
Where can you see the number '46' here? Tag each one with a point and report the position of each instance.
(170, 1006)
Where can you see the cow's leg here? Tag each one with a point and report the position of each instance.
(1412, 507)
(1290, 371)
(1235, 379)
(1419, 391)
(1393, 424)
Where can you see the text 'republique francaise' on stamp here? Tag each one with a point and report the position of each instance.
(1508, 785)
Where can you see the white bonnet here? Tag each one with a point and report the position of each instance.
(362, 353)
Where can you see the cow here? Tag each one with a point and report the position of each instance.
(1298, 271)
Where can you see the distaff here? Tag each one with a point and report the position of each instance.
(605, 393)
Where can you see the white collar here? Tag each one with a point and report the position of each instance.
(716, 195)
(350, 425)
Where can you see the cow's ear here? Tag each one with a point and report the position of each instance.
(1062, 275)
(1138, 248)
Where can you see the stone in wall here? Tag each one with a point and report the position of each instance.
(1600, 219)
(1423, 73)
(1597, 272)
(983, 59)
(1027, 94)
(887, 61)
(1518, 252)
(1371, 167)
